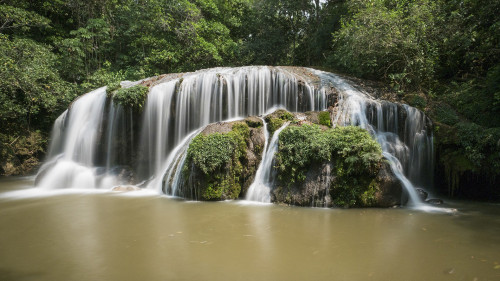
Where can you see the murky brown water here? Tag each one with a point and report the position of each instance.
(106, 236)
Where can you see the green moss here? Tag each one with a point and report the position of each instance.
(133, 97)
(355, 154)
(112, 88)
(211, 152)
(416, 101)
(219, 156)
(253, 122)
(324, 118)
(277, 119)
(368, 197)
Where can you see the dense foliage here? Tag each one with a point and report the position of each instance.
(355, 154)
(133, 97)
(219, 157)
(324, 118)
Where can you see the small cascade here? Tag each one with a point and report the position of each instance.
(409, 152)
(421, 157)
(260, 189)
(168, 181)
(73, 152)
(156, 137)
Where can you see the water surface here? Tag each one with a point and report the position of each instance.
(53, 235)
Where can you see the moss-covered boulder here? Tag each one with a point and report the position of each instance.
(317, 165)
(132, 97)
(276, 119)
(340, 167)
(222, 160)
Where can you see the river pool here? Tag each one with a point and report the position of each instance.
(89, 235)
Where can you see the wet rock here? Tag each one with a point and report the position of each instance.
(231, 178)
(313, 192)
(254, 152)
(422, 194)
(253, 122)
(390, 189)
(219, 127)
(125, 188)
(434, 201)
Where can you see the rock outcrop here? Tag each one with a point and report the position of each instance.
(222, 162)
(223, 159)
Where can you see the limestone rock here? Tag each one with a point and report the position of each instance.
(125, 188)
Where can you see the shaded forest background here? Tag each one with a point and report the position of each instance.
(441, 56)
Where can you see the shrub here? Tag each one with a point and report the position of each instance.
(416, 101)
(480, 145)
(324, 118)
(350, 147)
(443, 113)
(133, 97)
(111, 88)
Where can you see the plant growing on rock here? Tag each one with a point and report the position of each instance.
(324, 118)
(355, 155)
(218, 158)
(277, 119)
(133, 97)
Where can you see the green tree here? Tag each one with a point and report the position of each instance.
(391, 40)
(30, 86)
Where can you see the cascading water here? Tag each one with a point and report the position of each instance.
(84, 149)
(260, 189)
(409, 152)
(74, 146)
(177, 107)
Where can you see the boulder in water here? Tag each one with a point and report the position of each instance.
(422, 194)
(314, 191)
(125, 188)
(340, 167)
(222, 160)
(434, 201)
(390, 190)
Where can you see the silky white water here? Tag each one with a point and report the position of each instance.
(260, 189)
(97, 144)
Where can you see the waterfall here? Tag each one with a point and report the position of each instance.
(176, 108)
(260, 189)
(72, 155)
(97, 143)
(410, 153)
